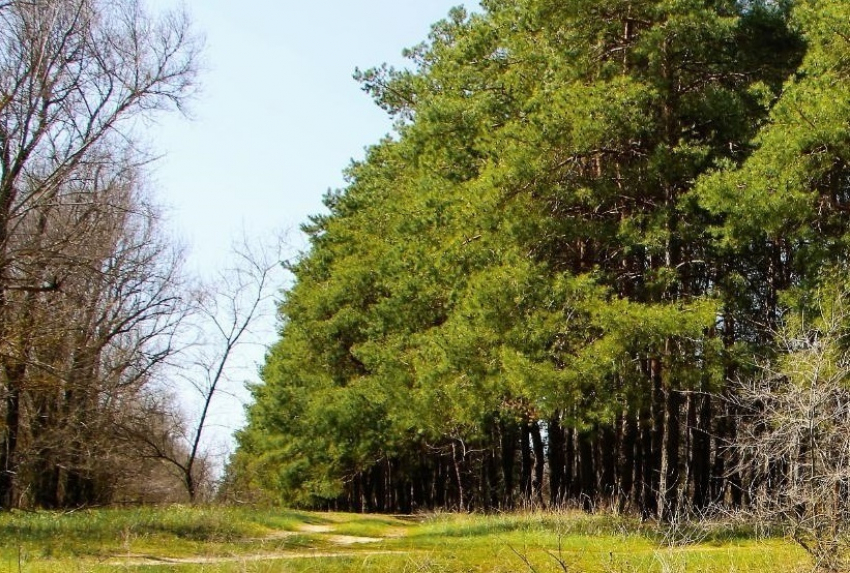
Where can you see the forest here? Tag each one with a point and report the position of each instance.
(601, 262)
(590, 296)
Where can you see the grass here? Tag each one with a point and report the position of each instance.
(230, 540)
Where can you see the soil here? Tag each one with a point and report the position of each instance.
(326, 531)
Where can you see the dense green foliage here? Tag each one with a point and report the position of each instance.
(591, 218)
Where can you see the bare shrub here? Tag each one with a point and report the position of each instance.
(794, 439)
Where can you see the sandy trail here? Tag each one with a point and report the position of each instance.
(316, 528)
(326, 531)
(148, 560)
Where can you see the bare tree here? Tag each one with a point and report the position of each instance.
(76, 78)
(224, 316)
(795, 437)
(93, 345)
(75, 75)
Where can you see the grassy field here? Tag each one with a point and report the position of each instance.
(224, 540)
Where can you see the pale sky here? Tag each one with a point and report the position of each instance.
(279, 116)
(277, 120)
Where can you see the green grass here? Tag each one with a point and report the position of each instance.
(230, 540)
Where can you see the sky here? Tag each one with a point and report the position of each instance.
(279, 115)
(277, 119)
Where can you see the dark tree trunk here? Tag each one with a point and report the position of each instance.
(527, 462)
(441, 498)
(641, 440)
(557, 461)
(509, 437)
(571, 485)
(359, 505)
(670, 461)
(701, 451)
(724, 476)
(736, 486)
(539, 462)
(652, 442)
(587, 473)
(493, 472)
(627, 463)
(378, 497)
(718, 468)
(9, 453)
(608, 462)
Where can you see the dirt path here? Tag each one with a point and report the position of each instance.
(325, 532)
(316, 528)
(337, 539)
(151, 560)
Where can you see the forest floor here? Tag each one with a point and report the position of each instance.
(225, 540)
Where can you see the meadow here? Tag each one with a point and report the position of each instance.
(225, 540)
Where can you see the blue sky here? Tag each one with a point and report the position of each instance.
(279, 115)
(277, 120)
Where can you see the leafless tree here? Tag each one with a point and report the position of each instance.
(77, 78)
(225, 314)
(92, 346)
(795, 438)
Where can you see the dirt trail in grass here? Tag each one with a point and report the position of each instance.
(338, 539)
(323, 532)
(316, 528)
(148, 560)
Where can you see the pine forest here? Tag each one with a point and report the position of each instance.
(604, 247)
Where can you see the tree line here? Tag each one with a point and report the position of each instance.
(548, 285)
(100, 324)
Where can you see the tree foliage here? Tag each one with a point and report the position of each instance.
(546, 280)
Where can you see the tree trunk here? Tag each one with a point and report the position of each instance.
(701, 451)
(652, 445)
(670, 457)
(608, 462)
(9, 452)
(628, 464)
(570, 486)
(508, 434)
(539, 463)
(587, 473)
(457, 461)
(527, 461)
(557, 461)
